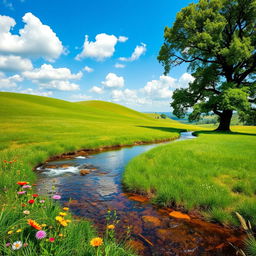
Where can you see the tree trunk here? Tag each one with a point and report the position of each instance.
(225, 119)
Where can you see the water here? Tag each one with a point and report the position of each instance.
(152, 229)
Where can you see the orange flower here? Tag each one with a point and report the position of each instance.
(97, 241)
(65, 209)
(34, 224)
(111, 226)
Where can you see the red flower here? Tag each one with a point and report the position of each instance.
(51, 239)
(5, 161)
(22, 183)
(23, 205)
(35, 195)
(31, 201)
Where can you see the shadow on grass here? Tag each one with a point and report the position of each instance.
(165, 129)
(225, 133)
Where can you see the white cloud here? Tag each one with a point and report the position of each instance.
(88, 69)
(36, 92)
(185, 79)
(160, 89)
(49, 77)
(80, 97)
(97, 90)
(122, 39)
(119, 65)
(113, 81)
(14, 63)
(102, 48)
(138, 51)
(9, 82)
(34, 40)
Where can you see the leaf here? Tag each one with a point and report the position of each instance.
(242, 221)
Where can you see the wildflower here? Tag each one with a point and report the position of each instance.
(34, 224)
(111, 226)
(19, 230)
(42, 201)
(25, 244)
(7, 244)
(21, 192)
(23, 205)
(31, 201)
(24, 187)
(60, 235)
(35, 195)
(65, 208)
(62, 214)
(10, 232)
(17, 245)
(59, 218)
(40, 234)
(63, 223)
(43, 225)
(97, 241)
(26, 212)
(51, 239)
(56, 197)
(22, 183)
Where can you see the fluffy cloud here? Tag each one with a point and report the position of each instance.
(9, 82)
(53, 78)
(88, 69)
(13, 63)
(36, 92)
(122, 39)
(128, 96)
(119, 65)
(34, 40)
(102, 48)
(113, 81)
(97, 90)
(185, 79)
(138, 51)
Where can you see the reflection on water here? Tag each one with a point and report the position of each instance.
(154, 231)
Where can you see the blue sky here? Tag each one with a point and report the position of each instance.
(85, 50)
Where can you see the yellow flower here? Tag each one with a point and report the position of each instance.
(111, 226)
(68, 221)
(65, 208)
(97, 241)
(43, 225)
(19, 230)
(10, 232)
(63, 223)
(61, 235)
(62, 213)
(59, 218)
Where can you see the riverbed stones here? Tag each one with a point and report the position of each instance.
(84, 172)
(154, 221)
(179, 215)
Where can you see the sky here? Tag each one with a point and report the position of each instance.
(89, 50)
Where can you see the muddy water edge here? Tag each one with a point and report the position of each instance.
(90, 185)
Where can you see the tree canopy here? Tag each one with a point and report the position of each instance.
(217, 39)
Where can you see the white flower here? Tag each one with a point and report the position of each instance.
(17, 245)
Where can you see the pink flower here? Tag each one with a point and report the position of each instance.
(21, 192)
(51, 239)
(26, 186)
(56, 197)
(7, 244)
(41, 201)
(40, 234)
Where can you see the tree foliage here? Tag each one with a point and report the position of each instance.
(217, 39)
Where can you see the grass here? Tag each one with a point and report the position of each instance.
(214, 174)
(35, 128)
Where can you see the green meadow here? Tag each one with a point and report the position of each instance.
(214, 174)
(33, 128)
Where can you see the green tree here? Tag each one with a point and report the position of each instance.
(217, 39)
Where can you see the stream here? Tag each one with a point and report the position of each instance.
(99, 189)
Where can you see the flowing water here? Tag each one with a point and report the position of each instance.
(100, 189)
